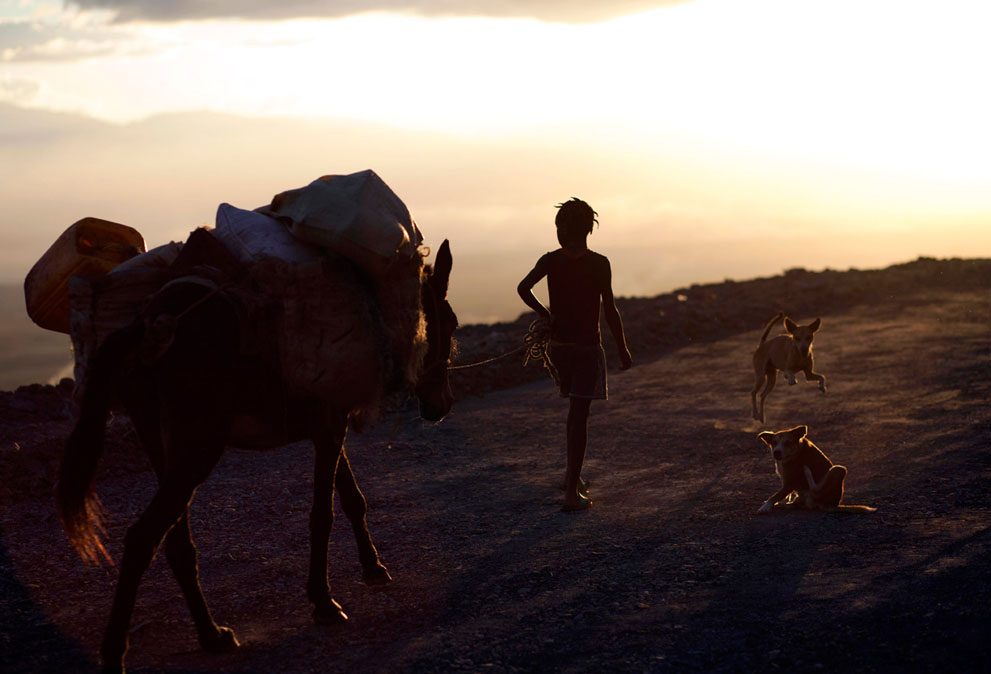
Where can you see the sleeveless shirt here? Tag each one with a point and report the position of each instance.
(575, 286)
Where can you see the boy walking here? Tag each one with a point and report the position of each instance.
(579, 281)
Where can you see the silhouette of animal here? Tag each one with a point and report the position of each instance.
(181, 374)
(791, 353)
(804, 470)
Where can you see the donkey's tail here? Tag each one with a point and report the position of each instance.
(774, 321)
(78, 507)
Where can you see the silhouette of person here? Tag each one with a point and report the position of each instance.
(579, 281)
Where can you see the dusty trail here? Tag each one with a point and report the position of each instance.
(672, 570)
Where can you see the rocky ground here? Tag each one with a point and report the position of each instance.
(671, 570)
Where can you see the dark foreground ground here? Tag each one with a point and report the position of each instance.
(671, 570)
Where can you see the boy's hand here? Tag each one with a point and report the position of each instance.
(543, 325)
(625, 359)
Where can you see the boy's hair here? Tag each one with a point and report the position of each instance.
(575, 216)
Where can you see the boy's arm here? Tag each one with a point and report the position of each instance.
(525, 290)
(615, 321)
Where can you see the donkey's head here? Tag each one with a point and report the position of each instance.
(433, 388)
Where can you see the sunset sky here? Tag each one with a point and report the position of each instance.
(716, 138)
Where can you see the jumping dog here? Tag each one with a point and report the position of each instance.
(791, 353)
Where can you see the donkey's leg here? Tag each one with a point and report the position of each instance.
(354, 505)
(180, 551)
(327, 450)
(140, 545)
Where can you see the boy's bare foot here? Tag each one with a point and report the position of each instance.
(579, 503)
(582, 486)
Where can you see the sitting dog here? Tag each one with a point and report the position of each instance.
(805, 470)
(791, 353)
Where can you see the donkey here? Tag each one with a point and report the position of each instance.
(193, 392)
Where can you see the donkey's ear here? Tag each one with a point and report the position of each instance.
(442, 268)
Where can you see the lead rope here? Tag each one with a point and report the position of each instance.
(536, 345)
(515, 351)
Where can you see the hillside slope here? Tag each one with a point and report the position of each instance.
(670, 570)
(706, 313)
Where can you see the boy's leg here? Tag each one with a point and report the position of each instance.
(577, 434)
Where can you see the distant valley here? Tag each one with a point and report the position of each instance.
(28, 354)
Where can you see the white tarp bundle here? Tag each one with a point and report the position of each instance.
(252, 237)
(355, 215)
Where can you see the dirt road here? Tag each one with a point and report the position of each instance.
(671, 570)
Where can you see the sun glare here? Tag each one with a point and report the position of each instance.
(868, 105)
(895, 85)
(892, 83)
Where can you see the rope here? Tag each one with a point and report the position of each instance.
(515, 351)
(160, 331)
(535, 343)
(538, 341)
(201, 300)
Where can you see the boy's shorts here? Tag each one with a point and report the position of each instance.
(582, 370)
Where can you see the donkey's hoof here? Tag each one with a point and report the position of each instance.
(223, 641)
(329, 613)
(376, 575)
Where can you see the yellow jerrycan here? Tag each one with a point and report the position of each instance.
(90, 247)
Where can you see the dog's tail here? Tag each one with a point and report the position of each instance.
(774, 321)
(852, 509)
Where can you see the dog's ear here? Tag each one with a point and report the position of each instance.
(790, 325)
(816, 324)
(767, 437)
(802, 431)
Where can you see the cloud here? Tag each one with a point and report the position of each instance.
(19, 35)
(18, 89)
(59, 49)
(61, 40)
(564, 11)
(32, 130)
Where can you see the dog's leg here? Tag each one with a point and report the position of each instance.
(771, 379)
(827, 492)
(769, 503)
(759, 377)
(790, 376)
(811, 375)
(830, 492)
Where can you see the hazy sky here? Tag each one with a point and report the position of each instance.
(715, 137)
